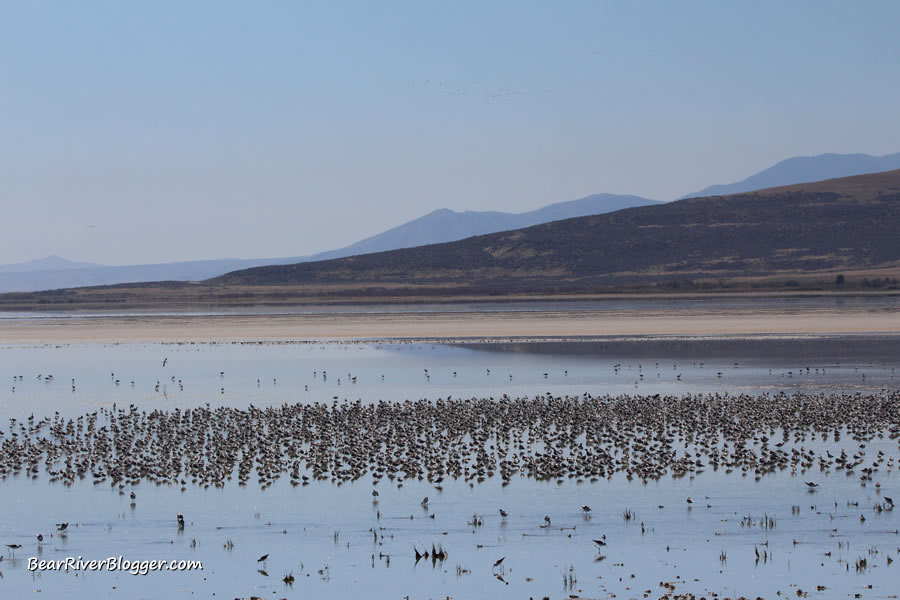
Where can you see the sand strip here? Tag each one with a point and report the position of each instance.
(442, 325)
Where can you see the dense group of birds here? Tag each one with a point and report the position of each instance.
(543, 437)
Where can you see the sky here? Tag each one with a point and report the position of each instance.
(146, 132)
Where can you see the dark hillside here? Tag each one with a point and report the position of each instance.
(847, 223)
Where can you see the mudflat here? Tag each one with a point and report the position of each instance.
(471, 324)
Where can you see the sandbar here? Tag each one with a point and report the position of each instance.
(443, 325)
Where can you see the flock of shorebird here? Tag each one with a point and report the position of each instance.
(544, 437)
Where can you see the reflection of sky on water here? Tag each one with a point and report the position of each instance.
(536, 559)
(276, 373)
(103, 524)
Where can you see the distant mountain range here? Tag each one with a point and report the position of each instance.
(72, 275)
(49, 263)
(806, 169)
(446, 225)
(830, 235)
(839, 224)
(442, 225)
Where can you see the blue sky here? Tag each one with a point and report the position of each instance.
(136, 132)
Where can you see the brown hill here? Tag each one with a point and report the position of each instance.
(840, 224)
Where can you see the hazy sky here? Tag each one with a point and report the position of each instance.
(135, 132)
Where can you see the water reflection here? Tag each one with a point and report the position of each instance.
(740, 534)
(76, 378)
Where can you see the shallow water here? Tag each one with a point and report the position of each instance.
(328, 528)
(272, 373)
(331, 539)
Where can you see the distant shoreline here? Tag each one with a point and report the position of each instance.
(187, 297)
(555, 322)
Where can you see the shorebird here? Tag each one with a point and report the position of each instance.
(498, 562)
(503, 513)
(14, 547)
(262, 559)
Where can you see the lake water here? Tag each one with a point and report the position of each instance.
(336, 541)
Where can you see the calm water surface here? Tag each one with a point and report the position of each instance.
(331, 539)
